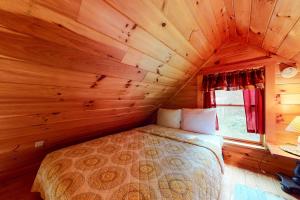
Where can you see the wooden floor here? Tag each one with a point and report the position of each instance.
(234, 175)
(19, 189)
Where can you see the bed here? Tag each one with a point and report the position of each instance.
(146, 163)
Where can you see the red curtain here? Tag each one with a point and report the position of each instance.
(254, 109)
(251, 82)
(209, 99)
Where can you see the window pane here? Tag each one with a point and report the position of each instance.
(229, 97)
(232, 118)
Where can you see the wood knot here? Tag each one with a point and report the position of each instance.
(279, 15)
(58, 93)
(128, 83)
(278, 98)
(99, 78)
(217, 62)
(55, 113)
(163, 24)
(239, 32)
(89, 103)
(93, 85)
(279, 118)
(134, 26)
(158, 72)
(59, 25)
(16, 148)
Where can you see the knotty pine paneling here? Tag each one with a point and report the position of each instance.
(285, 15)
(186, 98)
(231, 18)
(242, 10)
(57, 139)
(282, 94)
(69, 8)
(63, 61)
(259, 21)
(290, 46)
(178, 13)
(282, 105)
(207, 22)
(234, 52)
(146, 14)
(287, 106)
(269, 24)
(221, 15)
(69, 72)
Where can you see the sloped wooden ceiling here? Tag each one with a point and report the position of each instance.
(70, 68)
(271, 24)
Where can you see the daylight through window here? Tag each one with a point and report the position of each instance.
(231, 116)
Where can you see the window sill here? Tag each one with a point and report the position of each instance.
(244, 144)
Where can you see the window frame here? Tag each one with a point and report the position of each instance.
(261, 138)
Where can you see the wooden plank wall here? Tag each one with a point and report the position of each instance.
(283, 103)
(73, 67)
(186, 98)
(71, 70)
(286, 107)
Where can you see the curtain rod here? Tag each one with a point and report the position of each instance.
(246, 64)
(214, 71)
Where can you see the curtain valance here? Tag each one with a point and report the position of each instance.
(244, 79)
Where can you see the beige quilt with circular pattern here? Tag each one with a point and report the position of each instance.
(141, 164)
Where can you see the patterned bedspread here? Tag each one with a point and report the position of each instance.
(141, 164)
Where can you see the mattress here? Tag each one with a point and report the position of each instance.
(146, 163)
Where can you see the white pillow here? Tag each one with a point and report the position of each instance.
(199, 120)
(169, 117)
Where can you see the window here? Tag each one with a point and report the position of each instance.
(232, 118)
